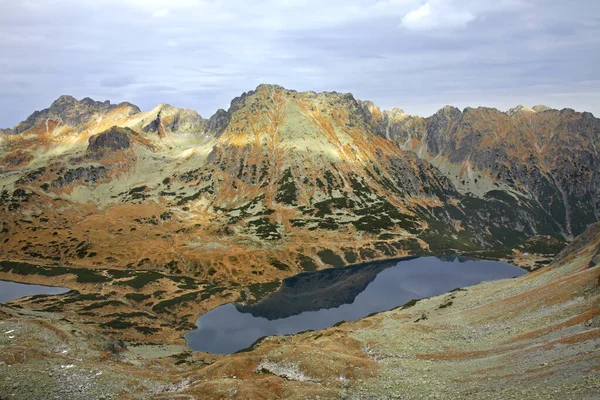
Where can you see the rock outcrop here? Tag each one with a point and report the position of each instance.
(165, 119)
(71, 111)
(108, 141)
(549, 159)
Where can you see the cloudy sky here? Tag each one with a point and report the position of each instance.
(415, 54)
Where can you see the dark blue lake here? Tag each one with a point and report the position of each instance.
(318, 300)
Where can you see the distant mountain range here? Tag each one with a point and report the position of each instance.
(285, 181)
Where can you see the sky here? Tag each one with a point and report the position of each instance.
(418, 55)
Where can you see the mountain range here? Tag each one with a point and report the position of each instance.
(285, 181)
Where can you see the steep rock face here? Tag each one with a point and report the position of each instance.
(188, 121)
(84, 175)
(549, 157)
(165, 119)
(70, 111)
(316, 154)
(541, 108)
(218, 122)
(520, 109)
(16, 158)
(111, 140)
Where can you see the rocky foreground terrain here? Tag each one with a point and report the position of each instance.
(536, 336)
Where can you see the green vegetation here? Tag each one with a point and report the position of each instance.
(117, 324)
(137, 296)
(182, 356)
(307, 263)
(446, 304)
(408, 304)
(82, 275)
(102, 304)
(146, 330)
(136, 314)
(279, 265)
(385, 248)
(142, 279)
(491, 254)
(185, 282)
(350, 256)
(546, 245)
(367, 253)
(329, 257)
(202, 295)
(260, 290)
(253, 347)
(328, 223)
(359, 189)
(206, 189)
(81, 251)
(166, 304)
(265, 229)
(324, 208)
(287, 189)
(409, 244)
(90, 276)
(74, 297)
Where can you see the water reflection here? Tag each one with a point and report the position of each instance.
(313, 291)
(319, 299)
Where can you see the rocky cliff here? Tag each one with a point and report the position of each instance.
(547, 159)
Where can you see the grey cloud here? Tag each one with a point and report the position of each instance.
(201, 56)
(117, 81)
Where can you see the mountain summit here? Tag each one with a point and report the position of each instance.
(285, 181)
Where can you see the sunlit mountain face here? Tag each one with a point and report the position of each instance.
(285, 181)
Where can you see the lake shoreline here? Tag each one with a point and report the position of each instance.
(200, 298)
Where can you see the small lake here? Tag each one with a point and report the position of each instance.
(318, 300)
(12, 290)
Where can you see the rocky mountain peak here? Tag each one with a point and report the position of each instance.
(447, 114)
(371, 108)
(397, 111)
(520, 109)
(541, 108)
(165, 109)
(64, 100)
(70, 111)
(269, 87)
(66, 103)
(165, 118)
(111, 140)
(264, 89)
(218, 122)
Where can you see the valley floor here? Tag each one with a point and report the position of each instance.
(533, 337)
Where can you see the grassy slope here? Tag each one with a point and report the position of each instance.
(536, 336)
